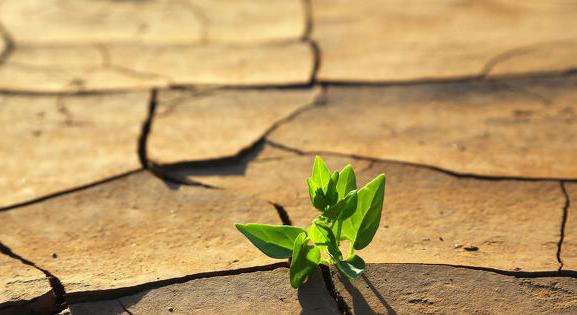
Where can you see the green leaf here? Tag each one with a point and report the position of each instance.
(344, 208)
(321, 234)
(275, 241)
(361, 227)
(350, 205)
(331, 194)
(317, 195)
(353, 267)
(323, 237)
(305, 258)
(313, 187)
(321, 175)
(347, 181)
(371, 198)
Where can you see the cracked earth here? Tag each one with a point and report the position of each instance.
(134, 134)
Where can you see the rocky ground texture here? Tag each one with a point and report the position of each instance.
(134, 134)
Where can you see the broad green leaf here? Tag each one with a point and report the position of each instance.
(353, 267)
(304, 259)
(332, 195)
(361, 227)
(317, 195)
(275, 241)
(321, 175)
(347, 181)
(344, 208)
(371, 199)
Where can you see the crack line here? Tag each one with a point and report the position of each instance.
(307, 38)
(434, 168)
(344, 308)
(110, 294)
(513, 53)
(146, 127)
(245, 154)
(124, 308)
(55, 284)
(68, 191)
(282, 213)
(515, 88)
(462, 79)
(504, 56)
(511, 273)
(563, 224)
(8, 42)
(202, 17)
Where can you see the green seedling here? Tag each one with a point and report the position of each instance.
(347, 215)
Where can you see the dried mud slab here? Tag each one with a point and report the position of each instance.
(569, 246)
(124, 66)
(428, 216)
(207, 123)
(22, 288)
(427, 289)
(415, 40)
(135, 230)
(54, 143)
(261, 292)
(517, 128)
(56, 22)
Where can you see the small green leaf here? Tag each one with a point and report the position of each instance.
(275, 241)
(361, 227)
(353, 267)
(321, 175)
(347, 181)
(304, 259)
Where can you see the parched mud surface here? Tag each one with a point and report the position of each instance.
(134, 134)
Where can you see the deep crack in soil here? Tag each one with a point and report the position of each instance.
(342, 305)
(8, 42)
(67, 191)
(99, 295)
(431, 167)
(60, 302)
(245, 154)
(307, 37)
(146, 126)
(563, 224)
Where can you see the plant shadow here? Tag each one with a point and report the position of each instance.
(180, 173)
(360, 304)
(314, 296)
